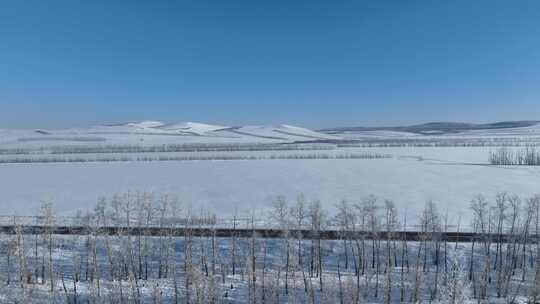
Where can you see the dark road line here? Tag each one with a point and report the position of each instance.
(264, 233)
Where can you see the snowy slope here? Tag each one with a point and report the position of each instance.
(443, 130)
(156, 133)
(190, 128)
(280, 133)
(533, 130)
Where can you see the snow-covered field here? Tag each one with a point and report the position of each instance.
(240, 170)
(450, 176)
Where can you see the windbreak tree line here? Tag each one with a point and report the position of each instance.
(528, 156)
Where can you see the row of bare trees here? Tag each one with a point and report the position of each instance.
(443, 141)
(54, 158)
(370, 262)
(97, 147)
(527, 156)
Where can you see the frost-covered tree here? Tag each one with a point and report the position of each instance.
(457, 288)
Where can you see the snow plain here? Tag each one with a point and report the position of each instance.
(223, 186)
(450, 176)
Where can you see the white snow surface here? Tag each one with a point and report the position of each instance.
(281, 133)
(191, 127)
(449, 176)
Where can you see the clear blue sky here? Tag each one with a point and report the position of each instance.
(310, 63)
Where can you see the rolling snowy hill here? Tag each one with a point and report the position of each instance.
(156, 133)
(442, 129)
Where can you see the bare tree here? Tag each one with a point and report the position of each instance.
(280, 215)
(47, 215)
(373, 222)
(317, 216)
(456, 289)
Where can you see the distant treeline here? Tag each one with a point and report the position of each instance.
(528, 156)
(441, 142)
(364, 155)
(191, 147)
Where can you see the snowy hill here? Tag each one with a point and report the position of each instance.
(190, 128)
(156, 133)
(445, 129)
